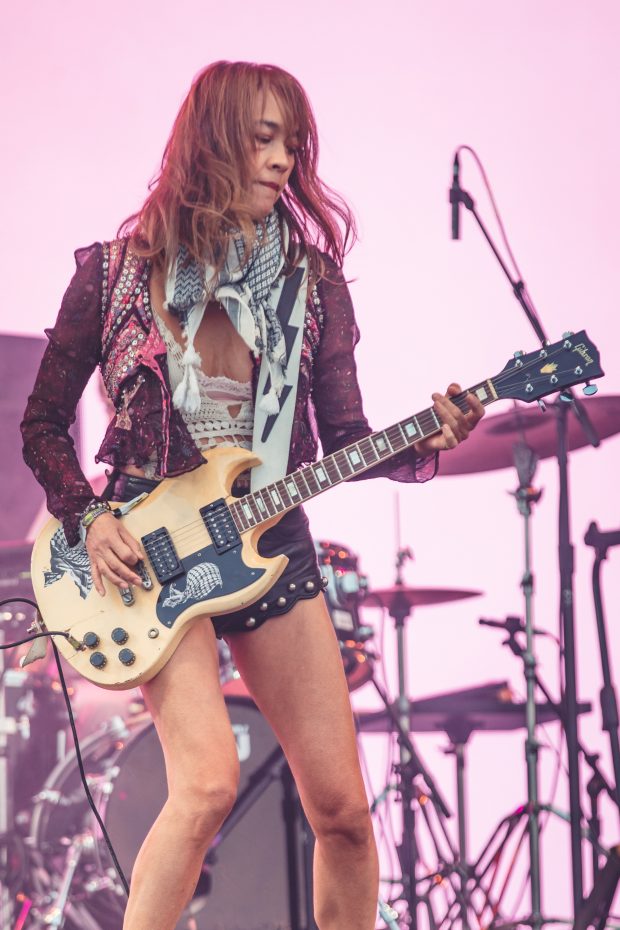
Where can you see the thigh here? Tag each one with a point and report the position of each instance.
(293, 670)
(189, 712)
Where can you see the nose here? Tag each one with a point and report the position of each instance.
(281, 158)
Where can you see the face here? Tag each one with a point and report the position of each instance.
(274, 157)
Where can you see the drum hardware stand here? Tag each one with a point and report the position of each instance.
(410, 765)
(598, 783)
(458, 732)
(566, 562)
(609, 706)
(55, 916)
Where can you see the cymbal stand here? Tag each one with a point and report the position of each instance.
(526, 495)
(6, 812)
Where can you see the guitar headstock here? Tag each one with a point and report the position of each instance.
(574, 359)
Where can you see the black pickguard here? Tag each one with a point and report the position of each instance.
(207, 575)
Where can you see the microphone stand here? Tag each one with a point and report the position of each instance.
(566, 562)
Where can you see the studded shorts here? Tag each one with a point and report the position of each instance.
(290, 536)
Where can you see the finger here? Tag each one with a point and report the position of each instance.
(116, 580)
(96, 576)
(449, 437)
(124, 551)
(118, 566)
(454, 389)
(475, 405)
(452, 416)
(132, 544)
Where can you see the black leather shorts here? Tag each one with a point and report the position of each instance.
(290, 536)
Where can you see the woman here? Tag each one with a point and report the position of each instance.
(180, 314)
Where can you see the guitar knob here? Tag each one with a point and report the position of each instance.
(90, 640)
(590, 389)
(127, 656)
(119, 635)
(98, 660)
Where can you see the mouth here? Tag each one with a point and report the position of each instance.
(271, 184)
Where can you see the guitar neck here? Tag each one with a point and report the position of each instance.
(259, 506)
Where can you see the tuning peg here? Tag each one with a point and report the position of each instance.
(590, 389)
(542, 405)
(567, 334)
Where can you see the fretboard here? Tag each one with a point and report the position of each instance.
(301, 485)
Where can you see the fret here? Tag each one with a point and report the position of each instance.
(403, 435)
(332, 469)
(320, 473)
(276, 500)
(302, 484)
(241, 517)
(411, 429)
(354, 457)
(260, 505)
(382, 444)
(266, 499)
(236, 518)
(256, 513)
(342, 464)
(435, 418)
(311, 481)
(369, 453)
(397, 438)
(286, 498)
(293, 490)
(247, 512)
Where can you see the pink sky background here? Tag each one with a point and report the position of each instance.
(89, 95)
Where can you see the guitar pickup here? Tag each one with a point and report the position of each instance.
(221, 526)
(162, 555)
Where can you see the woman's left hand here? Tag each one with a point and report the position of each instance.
(456, 425)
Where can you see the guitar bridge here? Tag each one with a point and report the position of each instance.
(162, 555)
(221, 526)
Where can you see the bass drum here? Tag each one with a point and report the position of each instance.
(256, 874)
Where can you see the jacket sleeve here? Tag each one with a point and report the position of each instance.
(336, 394)
(72, 353)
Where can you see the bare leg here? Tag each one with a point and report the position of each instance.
(293, 669)
(202, 770)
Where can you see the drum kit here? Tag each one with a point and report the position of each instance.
(57, 871)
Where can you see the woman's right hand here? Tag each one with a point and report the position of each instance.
(112, 551)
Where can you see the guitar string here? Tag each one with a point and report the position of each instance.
(188, 531)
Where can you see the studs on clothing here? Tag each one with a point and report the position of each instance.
(281, 602)
(250, 622)
(264, 606)
(309, 586)
(324, 582)
(292, 586)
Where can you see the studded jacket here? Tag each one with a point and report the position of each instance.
(106, 320)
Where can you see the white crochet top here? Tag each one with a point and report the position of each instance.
(213, 425)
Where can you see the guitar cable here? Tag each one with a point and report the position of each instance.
(76, 742)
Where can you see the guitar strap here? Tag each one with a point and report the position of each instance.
(272, 432)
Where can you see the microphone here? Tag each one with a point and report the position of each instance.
(511, 625)
(599, 540)
(455, 197)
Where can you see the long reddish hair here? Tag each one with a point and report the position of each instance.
(201, 192)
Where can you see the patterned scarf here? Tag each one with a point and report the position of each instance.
(244, 292)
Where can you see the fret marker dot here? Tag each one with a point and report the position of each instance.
(320, 474)
(291, 487)
(354, 457)
(481, 393)
(410, 429)
(380, 443)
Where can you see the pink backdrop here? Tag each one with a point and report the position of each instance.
(89, 96)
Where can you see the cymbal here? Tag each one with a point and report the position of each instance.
(415, 597)
(490, 445)
(458, 713)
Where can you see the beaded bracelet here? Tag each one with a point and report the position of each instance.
(94, 510)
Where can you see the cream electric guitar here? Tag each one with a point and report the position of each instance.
(200, 543)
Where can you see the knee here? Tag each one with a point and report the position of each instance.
(344, 823)
(201, 808)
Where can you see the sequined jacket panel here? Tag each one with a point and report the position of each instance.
(106, 320)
